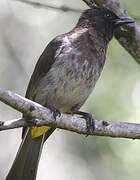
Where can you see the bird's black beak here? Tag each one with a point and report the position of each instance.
(119, 22)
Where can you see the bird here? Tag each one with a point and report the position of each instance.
(63, 78)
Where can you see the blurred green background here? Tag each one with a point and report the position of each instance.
(24, 32)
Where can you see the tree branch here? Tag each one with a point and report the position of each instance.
(42, 116)
(128, 36)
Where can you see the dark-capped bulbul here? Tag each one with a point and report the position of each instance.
(63, 78)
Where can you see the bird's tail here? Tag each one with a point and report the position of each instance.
(27, 159)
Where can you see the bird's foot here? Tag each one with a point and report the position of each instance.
(53, 110)
(90, 122)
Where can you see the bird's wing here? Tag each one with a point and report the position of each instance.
(44, 64)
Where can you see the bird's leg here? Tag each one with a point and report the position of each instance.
(90, 122)
(53, 110)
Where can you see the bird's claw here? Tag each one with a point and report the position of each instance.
(90, 123)
(53, 110)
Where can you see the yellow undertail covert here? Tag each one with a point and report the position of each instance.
(38, 131)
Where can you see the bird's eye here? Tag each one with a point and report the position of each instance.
(108, 15)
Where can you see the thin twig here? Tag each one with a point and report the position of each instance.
(47, 6)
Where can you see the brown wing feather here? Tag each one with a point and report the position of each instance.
(43, 65)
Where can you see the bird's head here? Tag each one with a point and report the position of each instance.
(102, 21)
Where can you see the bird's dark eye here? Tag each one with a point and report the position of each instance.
(108, 15)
